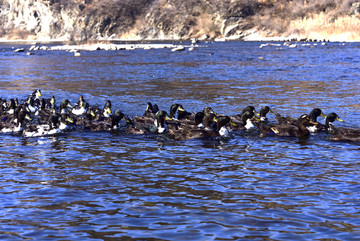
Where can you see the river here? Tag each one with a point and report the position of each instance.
(105, 186)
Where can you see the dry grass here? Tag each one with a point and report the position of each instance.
(19, 34)
(321, 26)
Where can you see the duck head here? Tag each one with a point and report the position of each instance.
(330, 118)
(107, 109)
(36, 94)
(264, 111)
(315, 113)
(208, 110)
(116, 118)
(52, 102)
(90, 113)
(249, 108)
(11, 106)
(64, 105)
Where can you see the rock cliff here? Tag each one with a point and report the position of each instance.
(81, 20)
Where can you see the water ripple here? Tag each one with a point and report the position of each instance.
(102, 186)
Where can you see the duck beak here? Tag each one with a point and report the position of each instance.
(108, 110)
(180, 108)
(127, 120)
(256, 113)
(28, 117)
(256, 118)
(322, 115)
(167, 118)
(338, 119)
(69, 120)
(92, 113)
(233, 124)
(314, 123)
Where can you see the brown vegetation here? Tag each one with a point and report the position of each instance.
(167, 19)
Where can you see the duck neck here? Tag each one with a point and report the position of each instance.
(327, 123)
(160, 125)
(173, 110)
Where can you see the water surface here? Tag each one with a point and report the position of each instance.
(103, 186)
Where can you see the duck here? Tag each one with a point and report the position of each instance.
(43, 113)
(187, 119)
(263, 112)
(238, 118)
(182, 113)
(245, 123)
(329, 119)
(214, 126)
(31, 107)
(132, 128)
(80, 108)
(198, 119)
(107, 109)
(85, 121)
(11, 116)
(65, 122)
(50, 103)
(10, 107)
(65, 106)
(151, 110)
(42, 110)
(81, 101)
(199, 116)
(249, 108)
(344, 133)
(36, 94)
(116, 118)
(160, 122)
(145, 125)
(290, 130)
(348, 134)
(17, 123)
(111, 124)
(104, 114)
(314, 114)
(52, 127)
(3, 105)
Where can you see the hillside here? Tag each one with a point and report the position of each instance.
(333, 20)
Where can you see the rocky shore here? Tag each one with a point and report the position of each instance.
(84, 20)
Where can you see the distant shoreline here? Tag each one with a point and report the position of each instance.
(145, 42)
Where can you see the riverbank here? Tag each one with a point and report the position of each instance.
(150, 20)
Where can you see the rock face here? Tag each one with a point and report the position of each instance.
(176, 20)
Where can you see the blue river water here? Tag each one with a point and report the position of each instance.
(105, 186)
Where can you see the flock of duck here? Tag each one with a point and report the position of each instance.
(36, 116)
